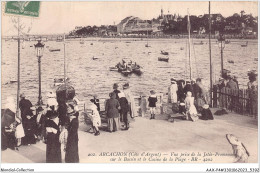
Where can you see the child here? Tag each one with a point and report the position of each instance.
(190, 107)
(182, 109)
(95, 117)
(53, 147)
(152, 103)
(206, 114)
(124, 109)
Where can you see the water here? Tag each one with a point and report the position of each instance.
(93, 76)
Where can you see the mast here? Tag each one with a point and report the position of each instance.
(64, 61)
(189, 27)
(210, 61)
(18, 74)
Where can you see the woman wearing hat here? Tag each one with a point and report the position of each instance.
(131, 101)
(112, 107)
(172, 94)
(30, 127)
(72, 151)
(53, 147)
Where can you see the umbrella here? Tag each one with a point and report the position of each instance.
(64, 93)
(8, 117)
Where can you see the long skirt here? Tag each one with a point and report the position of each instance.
(113, 124)
(53, 149)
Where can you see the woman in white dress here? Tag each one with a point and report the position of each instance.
(172, 91)
(190, 107)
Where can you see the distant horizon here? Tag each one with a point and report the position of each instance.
(62, 17)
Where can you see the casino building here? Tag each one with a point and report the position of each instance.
(135, 25)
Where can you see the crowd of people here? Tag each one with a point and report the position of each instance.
(190, 99)
(55, 124)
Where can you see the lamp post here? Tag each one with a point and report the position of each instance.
(221, 45)
(39, 47)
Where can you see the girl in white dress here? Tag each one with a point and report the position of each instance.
(95, 117)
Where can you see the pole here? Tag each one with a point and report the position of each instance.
(64, 63)
(222, 65)
(40, 97)
(210, 61)
(189, 45)
(18, 74)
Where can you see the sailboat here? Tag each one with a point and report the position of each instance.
(147, 45)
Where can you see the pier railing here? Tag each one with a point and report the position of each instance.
(242, 101)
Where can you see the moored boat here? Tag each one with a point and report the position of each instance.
(54, 50)
(164, 52)
(166, 59)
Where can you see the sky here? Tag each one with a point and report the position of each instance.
(62, 17)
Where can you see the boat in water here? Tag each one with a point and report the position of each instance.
(164, 52)
(54, 50)
(127, 68)
(60, 81)
(244, 45)
(166, 59)
(200, 43)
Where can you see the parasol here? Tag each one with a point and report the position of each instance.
(8, 117)
(64, 93)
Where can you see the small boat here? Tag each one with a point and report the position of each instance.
(94, 58)
(116, 47)
(91, 44)
(231, 61)
(54, 50)
(60, 81)
(200, 43)
(147, 45)
(113, 68)
(137, 70)
(182, 48)
(244, 45)
(227, 41)
(126, 72)
(164, 52)
(166, 59)
(31, 46)
(127, 42)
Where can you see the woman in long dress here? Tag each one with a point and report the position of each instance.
(131, 101)
(53, 148)
(172, 94)
(72, 150)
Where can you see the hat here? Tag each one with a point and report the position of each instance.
(193, 80)
(115, 86)
(173, 80)
(92, 100)
(187, 82)
(126, 85)
(152, 92)
(22, 95)
(40, 109)
(205, 106)
(70, 110)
